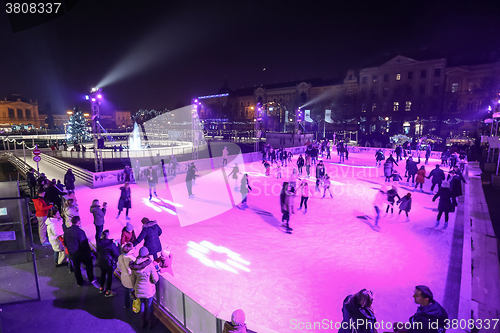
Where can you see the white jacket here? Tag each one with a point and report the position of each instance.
(54, 230)
(123, 264)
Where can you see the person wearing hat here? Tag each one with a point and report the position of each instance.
(150, 233)
(447, 203)
(124, 261)
(430, 315)
(237, 324)
(98, 214)
(405, 205)
(108, 256)
(128, 234)
(144, 278)
(69, 180)
(224, 156)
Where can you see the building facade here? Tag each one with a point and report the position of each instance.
(19, 111)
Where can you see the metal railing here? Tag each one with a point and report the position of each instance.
(81, 174)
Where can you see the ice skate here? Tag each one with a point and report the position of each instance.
(305, 210)
(437, 224)
(300, 208)
(156, 195)
(407, 219)
(150, 198)
(445, 225)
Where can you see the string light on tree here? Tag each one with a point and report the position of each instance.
(77, 128)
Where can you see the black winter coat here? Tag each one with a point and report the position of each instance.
(428, 316)
(354, 313)
(108, 253)
(412, 168)
(447, 201)
(69, 181)
(456, 184)
(150, 233)
(437, 176)
(76, 241)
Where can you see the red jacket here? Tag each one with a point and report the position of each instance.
(420, 176)
(41, 207)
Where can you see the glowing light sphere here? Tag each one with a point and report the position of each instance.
(93, 99)
(99, 96)
(87, 97)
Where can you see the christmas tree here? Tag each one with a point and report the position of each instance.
(77, 129)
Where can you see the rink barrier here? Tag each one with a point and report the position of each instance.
(388, 151)
(83, 175)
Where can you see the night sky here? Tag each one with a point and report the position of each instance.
(159, 54)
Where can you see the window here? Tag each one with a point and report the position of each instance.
(386, 77)
(373, 128)
(363, 128)
(363, 92)
(410, 75)
(398, 77)
(435, 89)
(364, 79)
(248, 104)
(385, 92)
(408, 106)
(409, 90)
(19, 113)
(374, 92)
(375, 79)
(374, 107)
(12, 115)
(28, 113)
(422, 89)
(454, 87)
(396, 106)
(437, 72)
(363, 107)
(397, 91)
(423, 73)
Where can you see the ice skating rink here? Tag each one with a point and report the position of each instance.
(284, 281)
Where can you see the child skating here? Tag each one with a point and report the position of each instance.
(405, 205)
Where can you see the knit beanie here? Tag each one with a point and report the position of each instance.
(143, 252)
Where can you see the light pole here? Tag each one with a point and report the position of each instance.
(95, 101)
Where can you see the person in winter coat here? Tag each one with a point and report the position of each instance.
(388, 169)
(405, 205)
(304, 195)
(127, 172)
(341, 151)
(293, 180)
(420, 178)
(326, 186)
(391, 159)
(396, 177)
(411, 167)
(150, 233)
(430, 317)
(124, 260)
(144, 278)
(30, 176)
(108, 256)
(285, 200)
(152, 177)
(173, 164)
(79, 250)
(379, 157)
(125, 200)
(427, 154)
(190, 177)
(438, 177)
(234, 173)
(357, 313)
(307, 162)
(378, 203)
(237, 324)
(300, 164)
(399, 152)
(267, 166)
(320, 170)
(245, 186)
(70, 210)
(447, 203)
(98, 214)
(456, 182)
(128, 234)
(69, 180)
(224, 156)
(391, 198)
(42, 209)
(54, 230)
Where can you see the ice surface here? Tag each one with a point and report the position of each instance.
(302, 277)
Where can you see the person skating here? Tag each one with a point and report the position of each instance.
(438, 177)
(279, 170)
(137, 170)
(411, 167)
(150, 233)
(293, 180)
(285, 199)
(391, 160)
(420, 178)
(304, 194)
(391, 198)
(398, 151)
(388, 170)
(69, 180)
(125, 200)
(245, 186)
(300, 164)
(108, 253)
(346, 153)
(42, 210)
(430, 317)
(127, 172)
(447, 203)
(234, 173)
(328, 154)
(427, 154)
(378, 202)
(79, 251)
(326, 186)
(396, 177)
(405, 205)
(341, 154)
(98, 214)
(144, 278)
(456, 179)
(152, 177)
(173, 165)
(357, 313)
(379, 157)
(307, 161)
(224, 156)
(190, 176)
(124, 261)
(267, 167)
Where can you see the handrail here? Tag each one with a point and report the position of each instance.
(84, 175)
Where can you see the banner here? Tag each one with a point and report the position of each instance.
(328, 116)
(307, 116)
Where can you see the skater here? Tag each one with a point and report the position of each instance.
(346, 153)
(304, 194)
(267, 166)
(137, 170)
(300, 164)
(278, 169)
(405, 205)
(456, 182)
(173, 165)
(293, 180)
(190, 176)
(150, 233)
(234, 173)
(420, 178)
(378, 203)
(273, 156)
(224, 156)
(379, 157)
(411, 167)
(69, 180)
(453, 160)
(341, 154)
(391, 160)
(396, 177)
(388, 170)
(320, 169)
(314, 155)
(308, 165)
(444, 157)
(326, 186)
(328, 156)
(398, 152)
(357, 313)
(127, 173)
(42, 210)
(427, 154)
(125, 200)
(98, 214)
(447, 203)
(152, 181)
(245, 186)
(285, 200)
(290, 156)
(108, 256)
(237, 324)
(391, 198)
(438, 177)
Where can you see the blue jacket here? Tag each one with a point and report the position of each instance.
(150, 233)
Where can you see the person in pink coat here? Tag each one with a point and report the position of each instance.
(420, 178)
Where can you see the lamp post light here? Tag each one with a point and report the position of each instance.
(95, 97)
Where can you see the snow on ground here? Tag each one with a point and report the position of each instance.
(303, 277)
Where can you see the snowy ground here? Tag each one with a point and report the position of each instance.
(303, 277)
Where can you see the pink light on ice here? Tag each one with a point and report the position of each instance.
(203, 250)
